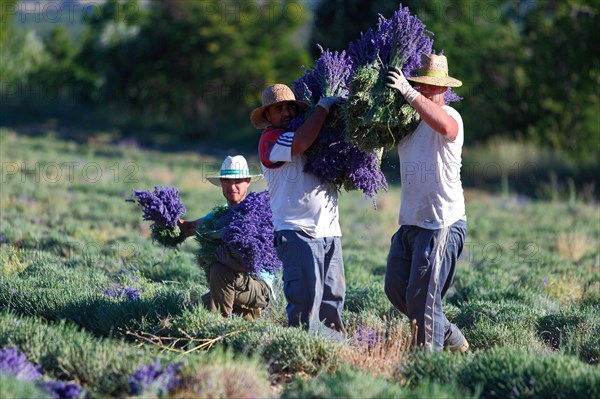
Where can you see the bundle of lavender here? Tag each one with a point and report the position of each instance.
(331, 156)
(163, 207)
(377, 116)
(247, 231)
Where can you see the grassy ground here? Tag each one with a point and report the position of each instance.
(526, 291)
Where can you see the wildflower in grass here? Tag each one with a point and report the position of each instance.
(163, 207)
(154, 379)
(118, 291)
(366, 337)
(61, 390)
(247, 231)
(13, 362)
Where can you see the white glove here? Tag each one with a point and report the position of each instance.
(327, 102)
(395, 79)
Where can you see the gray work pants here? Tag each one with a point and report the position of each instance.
(313, 280)
(420, 269)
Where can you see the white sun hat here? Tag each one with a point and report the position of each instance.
(235, 167)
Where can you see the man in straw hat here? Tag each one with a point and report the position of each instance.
(305, 213)
(232, 289)
(424, 251)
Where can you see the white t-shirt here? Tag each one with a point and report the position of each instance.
(432, 194)
(299, 201)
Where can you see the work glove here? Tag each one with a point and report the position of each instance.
(395, 79)
(327, 102)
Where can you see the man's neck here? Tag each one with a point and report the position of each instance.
(231, 204)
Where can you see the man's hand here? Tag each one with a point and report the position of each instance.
(328, 102)
(188, 228)
(395, 79)
(224, 257)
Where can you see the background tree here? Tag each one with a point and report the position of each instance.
(205, 62)
(21, 51)
(338, 22)
(561, 95)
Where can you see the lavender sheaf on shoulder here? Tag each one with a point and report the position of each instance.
(332, 157)
(163, 207)
(376, 116)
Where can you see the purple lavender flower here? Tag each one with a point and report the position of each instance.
(364, 51)
(367, 337)
(13, 362)
(399, 41)
(154, 379)
(329, 77)
(246, 229)
(163, 206)
(249, 234)
(451, 97)
(118, 291)
(346, 165)
(61, 390)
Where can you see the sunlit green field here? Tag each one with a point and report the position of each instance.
(526, 291)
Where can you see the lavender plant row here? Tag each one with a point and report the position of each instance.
(15, 363)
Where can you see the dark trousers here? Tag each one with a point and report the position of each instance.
(313, 280)
(233, 292)
(420, 269)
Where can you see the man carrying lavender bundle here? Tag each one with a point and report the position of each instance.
(234, 289)
(305, 212)
(433, 225)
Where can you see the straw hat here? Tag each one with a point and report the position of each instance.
(234, 168)
(435, 72)
(273, 94)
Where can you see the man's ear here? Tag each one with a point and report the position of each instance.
(267, 115)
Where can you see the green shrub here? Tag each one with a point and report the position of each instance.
(488, 334)
(591, 297)
(440, 367)
(235, 333)
(222, 374)
(575, 330)
(286, 348)
(65, 352)
(502, 373)
(506, 323)
(57, 292)
(344, 383)
(369, 297)
(11, 388)
(295, 350)
(12, 260)
(431, 389)
(365, 318)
